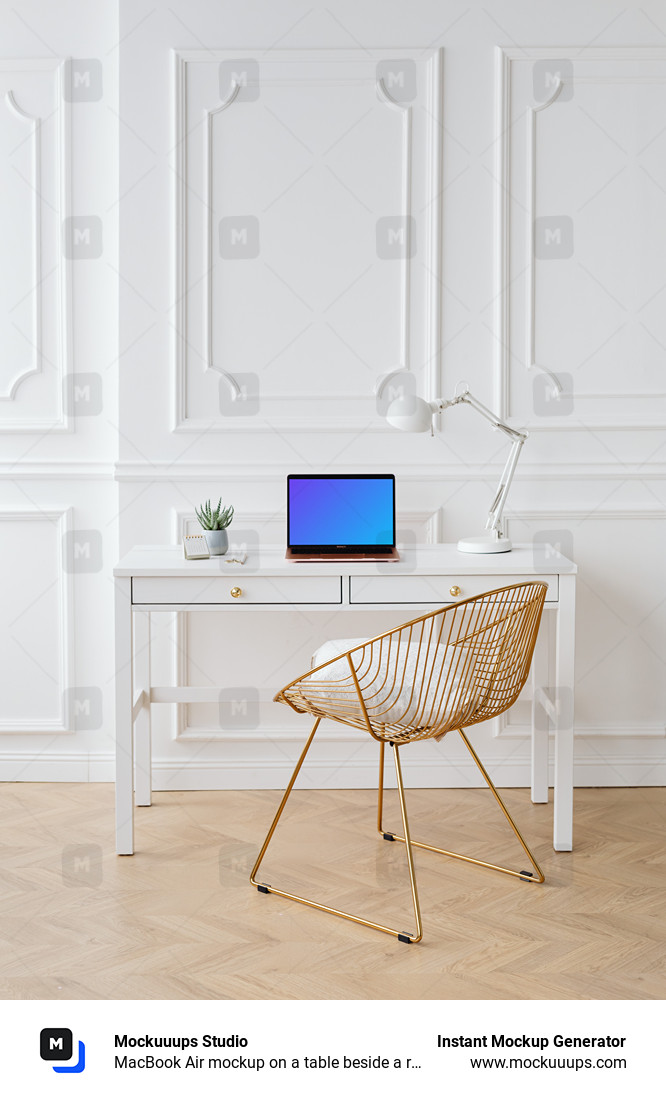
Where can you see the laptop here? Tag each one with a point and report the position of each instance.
(341, 517)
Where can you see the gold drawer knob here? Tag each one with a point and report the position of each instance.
(454, 590)
(236, 592)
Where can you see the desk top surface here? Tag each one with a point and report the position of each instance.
(434, 559)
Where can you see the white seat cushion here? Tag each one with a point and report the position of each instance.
(431, 678)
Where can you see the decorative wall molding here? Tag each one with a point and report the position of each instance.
(45, 766)
(636, 769)
(326, 420)
(180, 265)
(502, 216)
(211, 773)
(405, 113)
(57, 470)
(210, 116)
(532, 113)
(435, 108)
(62, 722)
(655, 511)
(52, 285)
(33, 125)
(507, 272)
(262, 472)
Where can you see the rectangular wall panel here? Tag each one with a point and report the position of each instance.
(307, 235)
(36, 632)
(620, 688)
(581, 228)
(36, 233)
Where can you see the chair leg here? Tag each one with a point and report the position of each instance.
(268, 888)
(281, 807)
(408, 846)
(526, 876)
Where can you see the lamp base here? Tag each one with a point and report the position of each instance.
(485, 544)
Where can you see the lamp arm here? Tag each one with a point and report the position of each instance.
(468, 399)
(417, 415)
(494, 521)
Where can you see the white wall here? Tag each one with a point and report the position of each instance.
(58, 387)
(317, 316)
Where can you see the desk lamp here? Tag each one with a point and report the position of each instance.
(413, 414)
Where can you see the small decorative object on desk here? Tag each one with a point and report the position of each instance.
(235, 557)
(195, 546)
(215, 522)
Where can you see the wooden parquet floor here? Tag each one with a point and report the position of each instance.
(179, 920)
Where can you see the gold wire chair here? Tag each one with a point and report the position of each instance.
(451, 668)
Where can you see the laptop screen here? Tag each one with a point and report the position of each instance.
(349, 511)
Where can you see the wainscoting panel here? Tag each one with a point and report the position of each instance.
(36, 556)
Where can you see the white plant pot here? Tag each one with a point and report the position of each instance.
(218, 542)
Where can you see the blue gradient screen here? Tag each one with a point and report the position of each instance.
(341, 511)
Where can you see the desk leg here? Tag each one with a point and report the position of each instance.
(142, 728)
(539, 778)
(124, 724)
(564, 728)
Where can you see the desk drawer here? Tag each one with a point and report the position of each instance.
(217, 590)
(436, 590)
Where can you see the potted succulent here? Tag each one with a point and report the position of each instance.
(215, 522)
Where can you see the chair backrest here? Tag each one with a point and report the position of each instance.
(452, 667)
(502, 636)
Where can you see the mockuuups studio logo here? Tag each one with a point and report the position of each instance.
(56, 1044)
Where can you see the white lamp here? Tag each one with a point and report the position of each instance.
(413, 414)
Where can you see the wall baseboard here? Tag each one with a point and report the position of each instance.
(327, 774)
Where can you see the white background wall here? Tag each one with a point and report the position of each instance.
(59, 425)
(317, 322)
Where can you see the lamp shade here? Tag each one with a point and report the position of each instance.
(410, 414)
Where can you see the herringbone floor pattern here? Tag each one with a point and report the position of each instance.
(180, 920)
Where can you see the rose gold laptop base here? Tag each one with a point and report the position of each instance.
(393, 555)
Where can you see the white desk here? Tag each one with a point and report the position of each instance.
(157, 578)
